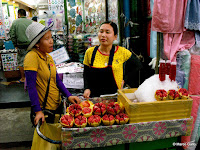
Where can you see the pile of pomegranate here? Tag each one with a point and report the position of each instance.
(93, 115)
(161, 94)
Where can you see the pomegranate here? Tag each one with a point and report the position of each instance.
(108, 119)
(121, 107)
(99, 109)
(183, 93)
(75, 110)
(86, 104)
(113, 108)
(94, 120)
(87, 112)
(173, 94)
(160, 95)
(80, 121)
(67, 121)
(121, 118)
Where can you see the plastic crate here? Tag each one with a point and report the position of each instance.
(154, 111)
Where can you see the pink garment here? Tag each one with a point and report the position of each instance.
(194, 79)
(177, 42)
(169, 16)
(195, 106)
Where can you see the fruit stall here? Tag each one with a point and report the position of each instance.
(125, 123)
(158, 111)
(115, 124)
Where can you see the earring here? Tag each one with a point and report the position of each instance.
(37, 47)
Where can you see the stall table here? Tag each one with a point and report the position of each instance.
(127, 136)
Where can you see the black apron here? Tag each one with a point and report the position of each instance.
(101, 80)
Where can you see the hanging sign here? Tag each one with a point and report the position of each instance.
(9, 62)
(60, 55)
(56, 5)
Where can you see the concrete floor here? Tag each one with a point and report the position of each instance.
(16, 130)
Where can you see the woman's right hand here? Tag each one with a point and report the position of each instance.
(87, 93)
(39, 115)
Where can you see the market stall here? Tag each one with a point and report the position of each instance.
(119, 136)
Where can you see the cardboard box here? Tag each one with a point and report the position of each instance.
(12, 74)
(154, 111)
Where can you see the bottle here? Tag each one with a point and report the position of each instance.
(168, 65)
(162, 70)
(172, 73)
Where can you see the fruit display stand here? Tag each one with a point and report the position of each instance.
(127, 136)
(142, 135)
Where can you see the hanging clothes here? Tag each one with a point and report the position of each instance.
(168, 18)
(153, 36)
(192, 15)
(197, 38)
(183, 68)
(195, 133)
(194, 75)
(194, 114)
(177, 42)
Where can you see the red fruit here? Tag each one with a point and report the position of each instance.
(99, 109)
(113, 108)
(75, 110)
(67, 121)
(94, 120)
(86, 104)
(160, 95)
(183, 93)
(80, 121)
(87, 112)
(121, 118)
(108, 119)
(173, 94)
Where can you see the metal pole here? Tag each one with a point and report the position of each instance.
(66, 19)
(158, 53)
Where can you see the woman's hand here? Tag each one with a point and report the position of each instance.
(39, 115)
(87, 93)
(122, 86)
(74, 99)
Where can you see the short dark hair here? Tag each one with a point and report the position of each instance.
(22, 12)
(114, 26)
(34, 18)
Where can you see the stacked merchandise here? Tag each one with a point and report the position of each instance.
(79, 47)
(70, 48)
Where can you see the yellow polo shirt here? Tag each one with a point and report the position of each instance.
(35, 61)
(121, 55)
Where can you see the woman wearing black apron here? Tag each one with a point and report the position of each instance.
(107, 67)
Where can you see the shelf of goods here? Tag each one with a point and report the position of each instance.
(8, 59)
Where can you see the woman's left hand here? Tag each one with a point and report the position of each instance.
(74, 99)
